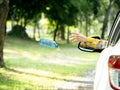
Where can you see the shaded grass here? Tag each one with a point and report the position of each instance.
(42, 67)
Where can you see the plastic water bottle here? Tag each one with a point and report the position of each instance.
(48, 43)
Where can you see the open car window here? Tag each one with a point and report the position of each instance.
(114, 34)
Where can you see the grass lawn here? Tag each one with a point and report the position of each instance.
(33, 67)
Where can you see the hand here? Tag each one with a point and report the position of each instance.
(77, 37)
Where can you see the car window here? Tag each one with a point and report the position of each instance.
(114, 34)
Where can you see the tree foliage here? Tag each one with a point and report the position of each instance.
(62, 13)
(25, 9)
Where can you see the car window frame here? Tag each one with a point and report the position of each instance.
(114, 34)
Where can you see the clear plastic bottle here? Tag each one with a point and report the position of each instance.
(48, 43)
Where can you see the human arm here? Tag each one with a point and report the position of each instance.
(77, 37)
(87, 42)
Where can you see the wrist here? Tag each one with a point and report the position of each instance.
(88, 39)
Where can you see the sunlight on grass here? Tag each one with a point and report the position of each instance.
(29, 78)
(31, 66)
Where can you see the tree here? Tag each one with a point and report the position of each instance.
(62, 13)
(3, 16)
(23, 13)
(106, 17)
(87, 9)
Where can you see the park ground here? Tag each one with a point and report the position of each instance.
(34, 67)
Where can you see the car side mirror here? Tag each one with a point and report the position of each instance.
(86, 49)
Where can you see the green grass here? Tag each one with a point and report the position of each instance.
(32, 67)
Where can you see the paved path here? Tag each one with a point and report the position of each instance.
(78, 83)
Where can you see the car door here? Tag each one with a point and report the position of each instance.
(101, 81)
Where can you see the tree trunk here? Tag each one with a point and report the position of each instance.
(62, 32)
(34, 32)
(3, 16)
(105, 22)
(38, 31)
(12, 21)
(80, 25)
(87, 25)
(55, 32)
(68, 34)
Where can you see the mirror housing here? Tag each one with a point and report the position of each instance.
(86, 49)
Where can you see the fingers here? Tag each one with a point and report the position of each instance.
(74, 37)
(75, 34)
(77, 37)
